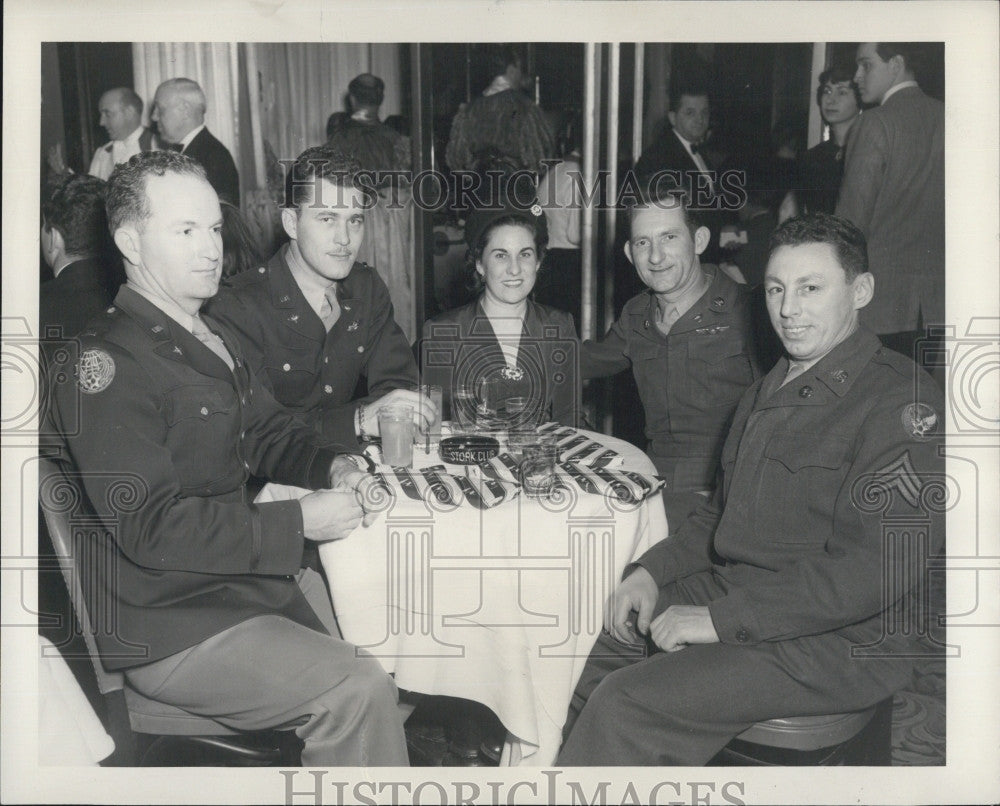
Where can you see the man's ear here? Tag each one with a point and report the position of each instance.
(864, 289)
(127, 241)
(702, 236)
(672, 117)
(628, 252)
(290, 222)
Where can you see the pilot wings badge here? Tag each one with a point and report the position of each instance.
(919, 420)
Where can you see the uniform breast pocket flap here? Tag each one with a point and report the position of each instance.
(195, 403)
(800, 450)
(713, 350)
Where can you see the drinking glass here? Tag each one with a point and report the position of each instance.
(395, 425)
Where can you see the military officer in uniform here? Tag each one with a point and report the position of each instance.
(688, 340)
(213, 614)
(755, 607)
(313, 321)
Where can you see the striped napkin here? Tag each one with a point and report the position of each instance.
(626, 486)
(446, 488)
(580, 449)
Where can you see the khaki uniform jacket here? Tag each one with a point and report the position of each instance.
(829, 484)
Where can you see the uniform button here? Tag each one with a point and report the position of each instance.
(243, 435)
(742, 635)
(243, 400)
(326, 359)
(204, 411)
(247, 466)
(262, 270)
(328, 389)
(286, 367)
(361, 348)
(805, 391)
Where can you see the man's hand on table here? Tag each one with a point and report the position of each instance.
(330, 514)
(637, 592)
(346, 476)
(680, 625)
(424, 410)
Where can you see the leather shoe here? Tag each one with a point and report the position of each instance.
(492, 749)
(426, 745)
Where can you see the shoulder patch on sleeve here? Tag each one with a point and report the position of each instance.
(95, 371)
(920, 421)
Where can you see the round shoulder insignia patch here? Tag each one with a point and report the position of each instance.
(919, 420)
(95, 371)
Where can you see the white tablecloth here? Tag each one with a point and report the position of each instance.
(500, 605)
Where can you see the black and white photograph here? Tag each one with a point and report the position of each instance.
(501, 402)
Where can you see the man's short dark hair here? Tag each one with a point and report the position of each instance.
(500, 57)
(128, 97)
(76, 209)
(367, 90)
(686, 85)
(315, 164)
(914, 55)
(127, 202)
(837, 74)
(661, 191)
(847, 240)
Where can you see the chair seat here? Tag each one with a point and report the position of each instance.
(808, 732)
(150, 716)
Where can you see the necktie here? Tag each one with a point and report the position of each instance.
(329, 311)
(175, 147)
(667, 319)
(201, 332)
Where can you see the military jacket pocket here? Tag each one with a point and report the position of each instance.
(800, 481)
(203, 425)
(292, 374)
(719, 368)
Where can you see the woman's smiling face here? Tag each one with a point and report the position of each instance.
(509, 265)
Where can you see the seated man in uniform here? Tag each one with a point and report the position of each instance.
(313, 321)
(689, 342)
(753, 608)
(212, 612)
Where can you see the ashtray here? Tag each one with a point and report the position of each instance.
(468, 449)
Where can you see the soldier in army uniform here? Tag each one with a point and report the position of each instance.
(754, 608)
(313, 321)
(205, 586)
(689, 342)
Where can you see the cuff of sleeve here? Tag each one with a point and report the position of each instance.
(318, 477)
(281, 538)
(734, 620)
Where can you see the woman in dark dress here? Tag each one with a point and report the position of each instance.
(523, 349)
(821, 168)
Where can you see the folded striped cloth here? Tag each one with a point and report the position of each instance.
(445, 488)
(626, 486)
(575, 447)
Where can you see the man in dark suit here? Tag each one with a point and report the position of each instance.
(179, 113)
(679, 148)
(213, 614)
(314, 321)
(893, 190)
(75, 245)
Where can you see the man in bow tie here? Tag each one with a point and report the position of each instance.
(211, 603)
(314, 322)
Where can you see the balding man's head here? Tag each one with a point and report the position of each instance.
(178, 107)
(120, 112)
